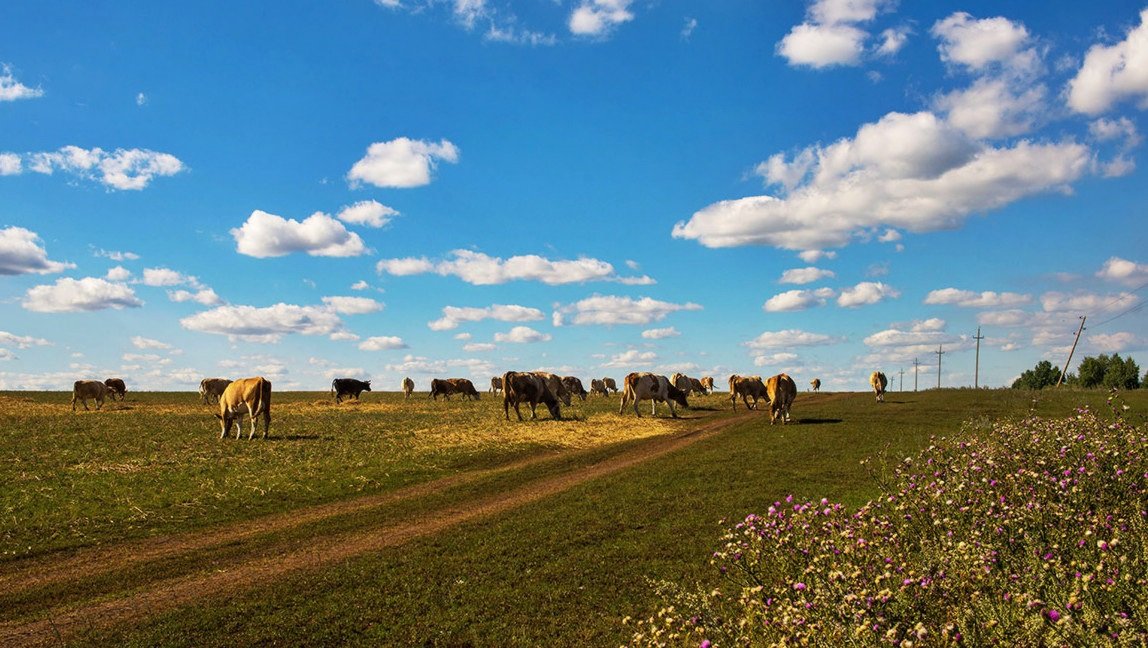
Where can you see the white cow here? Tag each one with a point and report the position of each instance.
(652, 387)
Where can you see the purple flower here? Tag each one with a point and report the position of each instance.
(799, 586)
(1053, 615)
(705, 644)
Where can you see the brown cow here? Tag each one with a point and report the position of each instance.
(554, 384)
(85, 389)
(610, 384)
(708, 384)
(210, 388)
(447, 387)
(116, 387)
(408, 387)
(747, 387)
(878, 381)
(527, 388)
(250, 394)
(652, 387)
(697, 387)
(495, 384)
(573, 385)
(781, 390)
(682, 382)
(598, 387)
(815, 384)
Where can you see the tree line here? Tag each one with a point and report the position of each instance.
(1095, 371)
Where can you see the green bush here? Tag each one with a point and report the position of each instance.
(1028, 533)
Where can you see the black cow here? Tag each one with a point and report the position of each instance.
(348, 387)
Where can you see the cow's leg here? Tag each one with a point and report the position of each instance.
(653, 407)
(673, 412)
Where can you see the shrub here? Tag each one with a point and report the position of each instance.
(1029, 533)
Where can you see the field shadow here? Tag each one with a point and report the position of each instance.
(818, 421)
(302, 437)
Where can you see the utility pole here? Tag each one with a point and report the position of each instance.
(902, 387)
(1064, 371)
(939, 353)
(916, 366)
(977, 369)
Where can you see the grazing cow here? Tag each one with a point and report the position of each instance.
(747, 387)
(815, 384)
(527, 388)
(781, 390)
(116, 387)
(495, 384)
(554, 384)
(447, 387)
(682, 382)
(349, 387)
(708, 384)
(652, 387)
(250, 395)
(610, 384)
(408, 387)
(878, 382)
(598, 387)
(573, 385)
(85, 389)
(697, 387)
(210, 388)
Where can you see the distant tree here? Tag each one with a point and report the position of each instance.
(1122, 373)
(1041, 376)
(1092, 370)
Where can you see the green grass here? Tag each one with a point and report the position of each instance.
(561, 571)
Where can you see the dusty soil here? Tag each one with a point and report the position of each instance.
(106, 609)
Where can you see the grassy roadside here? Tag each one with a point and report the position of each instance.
(565, 570)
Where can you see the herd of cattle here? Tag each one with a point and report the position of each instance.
(252, 396)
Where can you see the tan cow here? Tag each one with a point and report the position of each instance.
(652, 387)
(878, 381)
(116, 387)
(610, 384)
(408, 386)
(598, 386)
(747, 387)
(495, 384)
(781, 390)
(212, 388)
(250, 395)
(708, 384)
(85, 389)
(682, 382)
(527, 388)
(573, 386)
(815, 384)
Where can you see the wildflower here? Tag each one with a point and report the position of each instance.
(800, 587)
(1053, 615)
(705, 644)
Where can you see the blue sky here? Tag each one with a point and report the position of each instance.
(434, 188)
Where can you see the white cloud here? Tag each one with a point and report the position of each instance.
(74, 295)
(401, 163)
(117, 256)
(797, 300)
(13, 90)
(927, 332)
(631, 358)
(452, 316)
(127, 169)
(141, 342)
(970, 299)
(353, 305)
(1123, 129)
(21, 253)
(981, 44)
(10, 164)
(1084, 302)
(476, 347)
(1120, 342)
(205, 296)
(1007, 318)
(267, 235)
(426, 366)
(609, 309)
(808, 275)
(892, 40)
(908, 172)
(360, 285)
(660, 333)
(994, 107)
(483, 270)
(813, 256)
(383, 343)
(866, 293)
(1113, 73)
(367, 212)
(522, 335)
(21, 341)
(820, 46)
(159, 277)
(783, 358)
(599, 17)
(268, 324)
(462, 336)
(118, 273)
(688, 28)
(789, 338)
(1124, 271)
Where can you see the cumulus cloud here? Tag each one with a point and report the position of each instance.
(116, 255)
(774, 359)
(808, 275)
(610, 309)
(22, 253)
(911, 172)
(13, 90)
(631, 358)
(790, 338)
(984, 43)
(401, 163)
(660, 333)
(267, 235)
(159, 277)
(1124, 271)
(452, 316)
(1113, 73)
(1007, 318)
(599, 17)
(970, 299)
(370, 213)
(75, 295)
(268, 324)
(21, 341)
(204, 296)
(866, 293)
(475, 347)
(831, 36)
(141, 342)
(383, 343)
(127, 169)
(798, 300)
(994, 107)
(522, 335)
(482, 270)
(426, 366)
(1083, 302)
(1119, 342)
(353, 305)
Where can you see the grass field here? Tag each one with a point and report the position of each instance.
(444, 524)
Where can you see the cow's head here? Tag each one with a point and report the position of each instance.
(367, 385)
(552, 405)
(677, 395)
